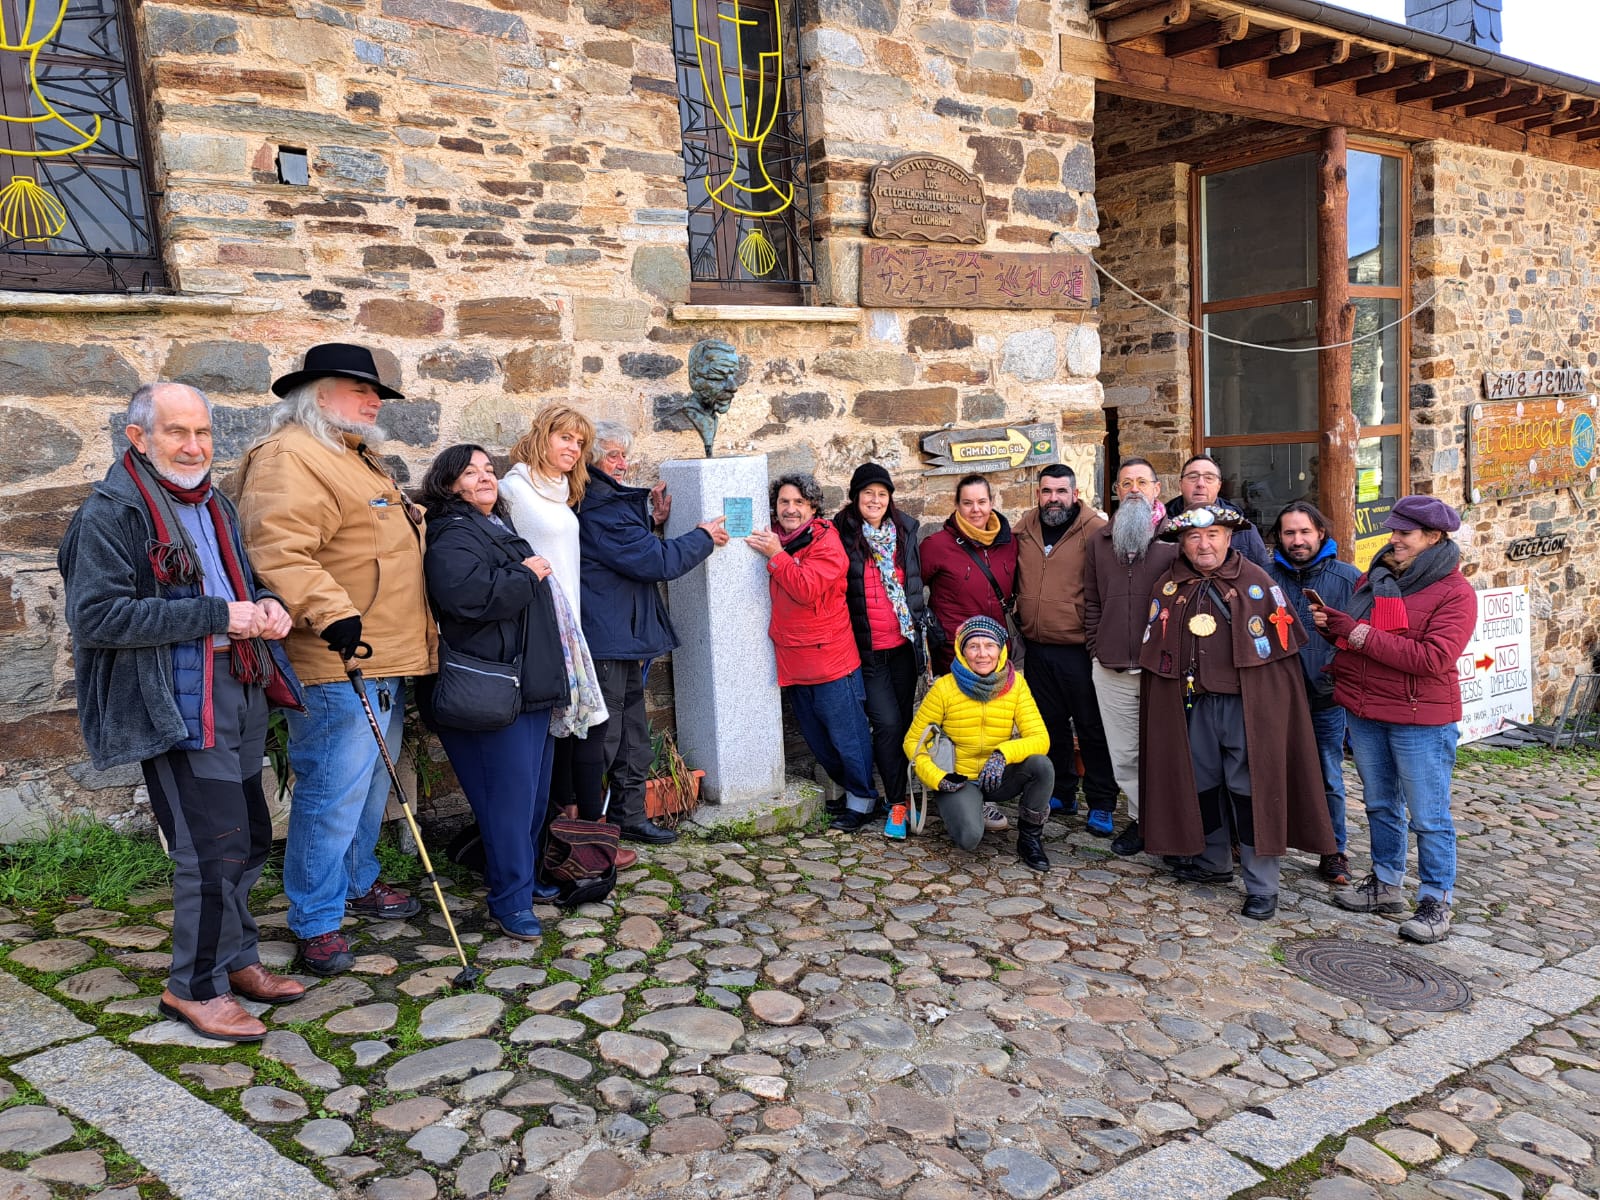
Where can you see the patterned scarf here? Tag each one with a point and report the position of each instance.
(882, 540)
(1381, 594)
(984, 688)
(585, 707)
(176, 563)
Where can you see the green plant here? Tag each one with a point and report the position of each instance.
(668, 766)
(81, 857)
(415, 744)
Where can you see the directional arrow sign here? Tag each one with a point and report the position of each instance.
(1003, 448)
(1484, 663)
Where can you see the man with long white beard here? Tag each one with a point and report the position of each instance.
(331, 533)
(1123, 564)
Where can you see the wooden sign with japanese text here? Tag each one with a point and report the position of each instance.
(934, 277)
(1519, 446)
(1002, 448)
(925, 198)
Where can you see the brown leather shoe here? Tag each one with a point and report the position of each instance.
(626, 858)
(255, 982)
(221, 1018)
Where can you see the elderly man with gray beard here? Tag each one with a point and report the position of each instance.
(1123, 564)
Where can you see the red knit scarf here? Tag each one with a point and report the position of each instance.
(173, 557)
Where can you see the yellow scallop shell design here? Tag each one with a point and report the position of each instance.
(28, 212)
(756, 253)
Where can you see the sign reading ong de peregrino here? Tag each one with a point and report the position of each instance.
(1495, 671)
(1519, 446)
(1004, 448)
(930, 277)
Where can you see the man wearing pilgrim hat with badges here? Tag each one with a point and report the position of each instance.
(331, 534)
(1220, 678)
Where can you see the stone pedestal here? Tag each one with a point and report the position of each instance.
(724, 675)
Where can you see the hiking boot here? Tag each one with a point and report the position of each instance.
(1335, 868)
(1371, 895)
(1030, 847)
(993, 818)
(1129, 842)
(381, 900)
(1430, 923)
(1099, 822)
(326, 954)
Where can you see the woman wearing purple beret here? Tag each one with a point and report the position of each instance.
(1395, 673)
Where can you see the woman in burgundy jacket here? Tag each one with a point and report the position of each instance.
(959, 560)
(818, 663)
(1394, 671)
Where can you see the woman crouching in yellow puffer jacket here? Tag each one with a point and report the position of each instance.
(985, 708)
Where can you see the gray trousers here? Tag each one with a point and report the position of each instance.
(1222, 779)
(214, 816)
(1031, 780)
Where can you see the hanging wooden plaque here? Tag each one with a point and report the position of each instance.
(925, 198)
(937, 277)
(1515, 447)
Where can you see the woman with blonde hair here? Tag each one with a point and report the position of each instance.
(543, 489)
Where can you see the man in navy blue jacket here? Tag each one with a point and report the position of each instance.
(624, 619)
(1306, 557)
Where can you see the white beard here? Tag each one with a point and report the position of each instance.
(1131, 528)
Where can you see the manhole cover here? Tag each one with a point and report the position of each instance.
(1379, 974)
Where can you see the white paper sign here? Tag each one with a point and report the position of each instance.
(1495, 671)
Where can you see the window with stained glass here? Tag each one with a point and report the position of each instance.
(76, 205)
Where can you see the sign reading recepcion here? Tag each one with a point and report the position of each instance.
(932, 277)
(1519, 446)
(1495, 671)
(1002, 448)
(925, 198)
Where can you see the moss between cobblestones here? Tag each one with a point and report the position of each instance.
(122, 1170)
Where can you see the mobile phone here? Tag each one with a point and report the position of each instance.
(1311, 595)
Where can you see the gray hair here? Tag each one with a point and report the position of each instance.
(142, 404)
(609, 433)
(808, 487)
(299, 407)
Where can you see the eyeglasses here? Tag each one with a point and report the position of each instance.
(1191, 476)
(1134, 485)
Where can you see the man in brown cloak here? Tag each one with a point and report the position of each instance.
(1220, 678)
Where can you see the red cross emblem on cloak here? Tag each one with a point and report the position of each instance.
(1282, 619)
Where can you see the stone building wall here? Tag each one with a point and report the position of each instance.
(496, 205)
(1510, 242)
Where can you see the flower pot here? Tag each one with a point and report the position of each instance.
(663, 798)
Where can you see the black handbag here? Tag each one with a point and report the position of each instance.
(477, 694)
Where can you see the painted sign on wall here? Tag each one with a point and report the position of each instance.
(1495, 671)
(1547, 381)
(1519, 446)
(895, 276)
(1004, 448)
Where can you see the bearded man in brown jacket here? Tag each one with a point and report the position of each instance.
(331, 534)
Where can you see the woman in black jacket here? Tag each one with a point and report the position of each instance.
(883, 591)
(487, 588)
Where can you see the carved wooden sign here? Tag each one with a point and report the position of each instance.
(1519, 446)
(1536, 547)
(1546, 381)
(1004, 448)
(925, 198)
(929, 277)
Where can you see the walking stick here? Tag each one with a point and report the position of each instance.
(469, 974)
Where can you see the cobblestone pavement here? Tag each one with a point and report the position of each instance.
(823, 1015)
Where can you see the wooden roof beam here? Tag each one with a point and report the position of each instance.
(1591, 134)
(1228, 30)
(1324, 54)
(1262, 45)
(1420, 73)
(1151, 20)
(1489, 89)
(1440, 85)
(1363, 66)
(1111, 9)
(1581, 116)
(1516, 98)
(1553, 106)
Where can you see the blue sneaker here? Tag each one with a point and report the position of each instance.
(1099, 822)
(1067, 807)
(523, 926)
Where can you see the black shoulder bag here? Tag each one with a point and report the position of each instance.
(479, 694)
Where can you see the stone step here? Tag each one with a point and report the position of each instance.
(31, 1021)
(199, 1152)
(793, 809)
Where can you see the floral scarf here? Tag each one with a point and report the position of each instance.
(585, 707)
(882, 540)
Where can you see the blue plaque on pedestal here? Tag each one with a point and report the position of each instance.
(739, 515)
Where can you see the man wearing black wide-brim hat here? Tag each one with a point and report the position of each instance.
(332, 535)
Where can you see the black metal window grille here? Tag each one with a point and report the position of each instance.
(99, 194)
(745, 165)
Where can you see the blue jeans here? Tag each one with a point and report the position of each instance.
(506, 776)
(833, 720)
(1329, 724)
(1405, 771)
(340, 789)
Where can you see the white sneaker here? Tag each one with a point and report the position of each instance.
(993, 818)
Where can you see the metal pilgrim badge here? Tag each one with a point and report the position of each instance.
(1169, 588)
(1202, 624)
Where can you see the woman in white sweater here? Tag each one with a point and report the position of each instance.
(543, 488)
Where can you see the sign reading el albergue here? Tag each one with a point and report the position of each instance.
(1517, 446)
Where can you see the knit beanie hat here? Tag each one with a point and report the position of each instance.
(980, 626)
(867, 474)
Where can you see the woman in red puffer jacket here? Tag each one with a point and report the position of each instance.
(1394, 672)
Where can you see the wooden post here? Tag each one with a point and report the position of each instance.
(1336, 464)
